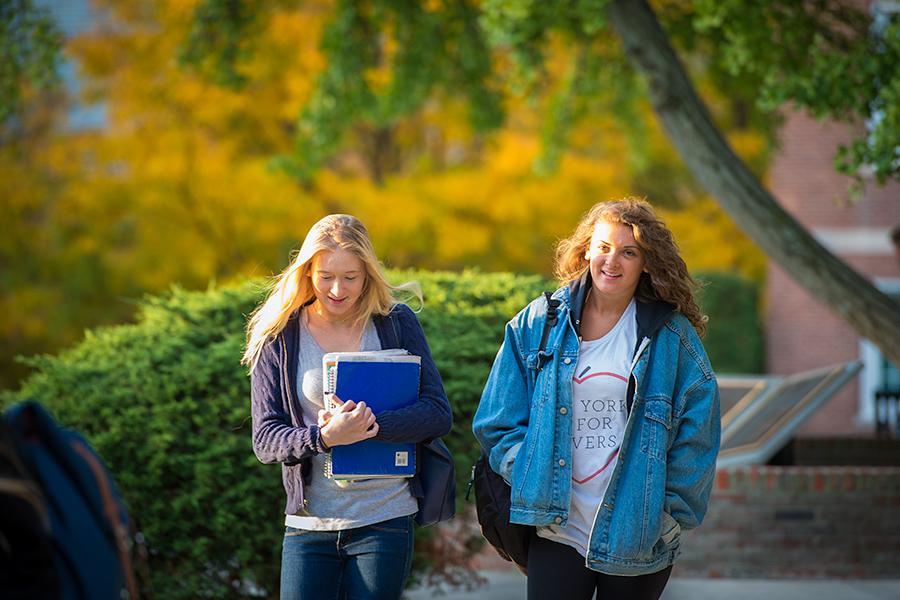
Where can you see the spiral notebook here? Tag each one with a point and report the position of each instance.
(384, 380)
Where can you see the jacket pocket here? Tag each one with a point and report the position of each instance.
(656, 426)
(671, 530)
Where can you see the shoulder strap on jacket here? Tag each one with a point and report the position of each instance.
(550, 321)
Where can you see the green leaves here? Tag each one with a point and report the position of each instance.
(384, 61)
(734, 338)
(219, 40)
(878, 153)
(827, 57)
(29, 53)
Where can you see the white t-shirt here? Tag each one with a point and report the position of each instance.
(598, 422)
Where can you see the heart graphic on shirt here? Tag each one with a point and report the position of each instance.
(598, 471)
(583, 379)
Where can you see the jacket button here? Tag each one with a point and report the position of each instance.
(568, 361)
(562, 462)
(563, 410)
(557, 520)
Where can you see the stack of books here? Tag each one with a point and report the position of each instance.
(385, 380)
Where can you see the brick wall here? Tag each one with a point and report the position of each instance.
(798, 522)
(807, 186)
(801, 332)
(882, 451)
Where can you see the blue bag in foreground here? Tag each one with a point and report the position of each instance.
(88, 522)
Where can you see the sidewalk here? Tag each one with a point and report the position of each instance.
(510, 585)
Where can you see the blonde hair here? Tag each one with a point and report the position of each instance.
(293, 288)
(666, 277)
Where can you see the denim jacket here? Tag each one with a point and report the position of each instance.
(281, 435)
(666, 465)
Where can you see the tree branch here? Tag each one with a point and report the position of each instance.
(687, 122)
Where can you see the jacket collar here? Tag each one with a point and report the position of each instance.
(652, 314)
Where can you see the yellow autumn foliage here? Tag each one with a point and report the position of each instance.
(177, 187)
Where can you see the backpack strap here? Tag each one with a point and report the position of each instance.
(112, 514)
(392, 319)
(388, 329)
(549, 322)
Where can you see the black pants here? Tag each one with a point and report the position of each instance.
(557, 572)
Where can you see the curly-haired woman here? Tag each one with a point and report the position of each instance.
(606, 422)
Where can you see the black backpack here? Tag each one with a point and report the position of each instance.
(27, 569)
(492, 493)
(64, 530)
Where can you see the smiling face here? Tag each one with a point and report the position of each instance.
(338, 277)
(616, 260)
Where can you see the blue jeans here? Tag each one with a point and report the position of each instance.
(370, 562)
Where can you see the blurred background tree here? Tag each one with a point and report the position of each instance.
(30, 43)
(387, 59)
(192, 172)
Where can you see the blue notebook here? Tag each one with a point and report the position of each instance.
(385, 380)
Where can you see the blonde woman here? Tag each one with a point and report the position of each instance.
(351, 541)
(608, 437)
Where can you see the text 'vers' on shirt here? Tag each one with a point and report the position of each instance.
(598, 413)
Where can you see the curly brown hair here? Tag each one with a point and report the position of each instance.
(666, 275)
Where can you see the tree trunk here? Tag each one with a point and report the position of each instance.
(687, 122)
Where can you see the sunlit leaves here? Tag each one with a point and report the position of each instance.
(218, 39)
(385, 60)
(177, 185)
(29, 53)
(827, 57)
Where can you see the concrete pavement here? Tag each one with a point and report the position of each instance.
(510, 585)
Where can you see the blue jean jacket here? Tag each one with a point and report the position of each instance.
(666, 465)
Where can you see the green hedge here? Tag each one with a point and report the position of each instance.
(734, 337)
(166, 404)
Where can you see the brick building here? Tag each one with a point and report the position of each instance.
(803, 333)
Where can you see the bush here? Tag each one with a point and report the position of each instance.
(166, 403)
(734, 338)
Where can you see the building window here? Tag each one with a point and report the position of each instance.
(878, 373)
